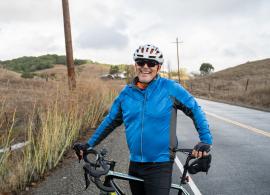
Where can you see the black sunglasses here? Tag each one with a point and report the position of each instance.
(150, 63)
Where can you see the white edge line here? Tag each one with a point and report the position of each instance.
(14, 147)
(192, 185)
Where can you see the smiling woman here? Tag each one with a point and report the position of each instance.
(148, 108)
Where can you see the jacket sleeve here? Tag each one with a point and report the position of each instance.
(187, 103)
(111, 121)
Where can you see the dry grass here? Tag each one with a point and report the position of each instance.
(49, 117)
(247, 84)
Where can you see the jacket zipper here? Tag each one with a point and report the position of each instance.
(142, 126)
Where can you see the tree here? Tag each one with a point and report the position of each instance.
(61, 60)
(206, 68)
(79, 62)
(27, 75)
(130, 73)
(114, 70)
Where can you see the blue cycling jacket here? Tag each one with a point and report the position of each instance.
(149, 117)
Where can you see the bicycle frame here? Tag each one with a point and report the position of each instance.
(111, 175)
(107, 170)
(123, 176)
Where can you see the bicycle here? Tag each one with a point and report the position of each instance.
(101, 167)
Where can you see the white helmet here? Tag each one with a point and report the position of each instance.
(149, 52)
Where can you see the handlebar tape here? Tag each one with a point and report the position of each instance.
(96, 174)
(100, 185)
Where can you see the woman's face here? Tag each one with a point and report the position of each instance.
(146, 70)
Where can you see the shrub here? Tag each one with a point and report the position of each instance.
(27, 75)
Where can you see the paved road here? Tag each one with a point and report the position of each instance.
(240, 155)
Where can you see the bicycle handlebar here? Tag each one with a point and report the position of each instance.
(184, 150)
(101, 186)
(90, 151)
(90, 168)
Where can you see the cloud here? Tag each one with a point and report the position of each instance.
(102, 37)
(29, 11)
(223, 32)
(106, 28)
(23, 39)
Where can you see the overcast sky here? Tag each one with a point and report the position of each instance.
(224, 33)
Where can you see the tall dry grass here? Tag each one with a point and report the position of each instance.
(53, 119)
(253, 92)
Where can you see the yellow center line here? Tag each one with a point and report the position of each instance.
(240, 124)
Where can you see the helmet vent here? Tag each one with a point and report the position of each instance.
(149, 52)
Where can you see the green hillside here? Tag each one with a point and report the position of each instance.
(31, 63)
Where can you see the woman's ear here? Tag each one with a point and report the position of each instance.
(159, 67)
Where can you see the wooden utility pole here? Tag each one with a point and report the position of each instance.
(178, 58)
(69, 51)
(169, 71)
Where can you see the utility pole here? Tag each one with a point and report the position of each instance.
(178, 59)
(69, 51)
(169, 70)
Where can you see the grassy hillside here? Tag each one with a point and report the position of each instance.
(31, 63)
(246, 84)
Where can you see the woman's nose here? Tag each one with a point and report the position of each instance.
(145, 65)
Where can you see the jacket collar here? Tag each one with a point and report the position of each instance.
(150, 88)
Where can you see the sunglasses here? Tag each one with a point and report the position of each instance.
(150, 63)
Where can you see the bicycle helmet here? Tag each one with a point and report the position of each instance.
(149, 52)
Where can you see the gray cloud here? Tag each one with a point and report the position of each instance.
(102, 37)
(194, 8)
(105, 26)
(229, 52)
(29, 11)
(222, 32)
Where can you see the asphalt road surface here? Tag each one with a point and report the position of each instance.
(240, 163)
(241, 160)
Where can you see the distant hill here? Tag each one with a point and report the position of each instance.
(31, 63)
(246, 84)
(247, 70)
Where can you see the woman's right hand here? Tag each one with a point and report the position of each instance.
(80, 148)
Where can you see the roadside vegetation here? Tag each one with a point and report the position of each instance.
(47, 116)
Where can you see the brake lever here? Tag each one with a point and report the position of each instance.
(86, 179)
(78, 153)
